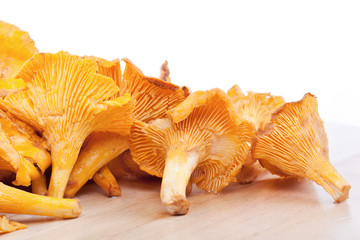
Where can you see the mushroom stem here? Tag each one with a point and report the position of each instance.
(64, 158)
(38, 186)
(99, 150)
(334, 184)
(13, 200)
(179, 165)
(106, 180)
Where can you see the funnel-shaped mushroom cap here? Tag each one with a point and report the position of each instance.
(7, 226)
(67, 100)
(16, 47)
(108, 68)
(165, 72)
(295, 144)
(257, 108)
(153, 98)
(205, 142)
(14, 200)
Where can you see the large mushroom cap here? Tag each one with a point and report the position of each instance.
(204, 141)
(295, 144)
(153, 98)
(67, 100)
(16, 47)
(257, 108)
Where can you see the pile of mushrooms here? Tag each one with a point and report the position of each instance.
(87, 120)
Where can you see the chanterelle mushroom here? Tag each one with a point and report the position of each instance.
(257, 108)
(16, 47)
(295, 144)
(153, 98)
(9, 226)
(23, 151)
(67, 100)
(205, 141)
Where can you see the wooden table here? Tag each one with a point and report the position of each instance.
(269, 208)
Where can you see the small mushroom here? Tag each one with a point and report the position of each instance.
(153, 98)
(7, 226)
(204, 141)
(11, 160)
(257, 108)
(67, 101)
(295, 144)
(16, 47)
(14, 200)
(25, 141)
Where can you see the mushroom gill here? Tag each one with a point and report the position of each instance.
(67, 101)
(153, 98)
(204, 141)
(295, 144)
(256, 108)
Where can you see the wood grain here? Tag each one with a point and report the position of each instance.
(269, 208)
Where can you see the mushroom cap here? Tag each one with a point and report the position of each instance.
(16, 47)
(66, 90)
(295, 144)
(255, 107)
(67, 101)
(205, 122)
(108, 68)
(153, 96)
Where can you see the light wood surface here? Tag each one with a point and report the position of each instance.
(269, 208)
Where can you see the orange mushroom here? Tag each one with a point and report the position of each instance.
(204, 141)
(16, 47)
(14, 200)
(153, 98)
(67, 101)
(7, 226)
(295, 144)
(257, 108)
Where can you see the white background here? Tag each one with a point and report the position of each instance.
(287, 48)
